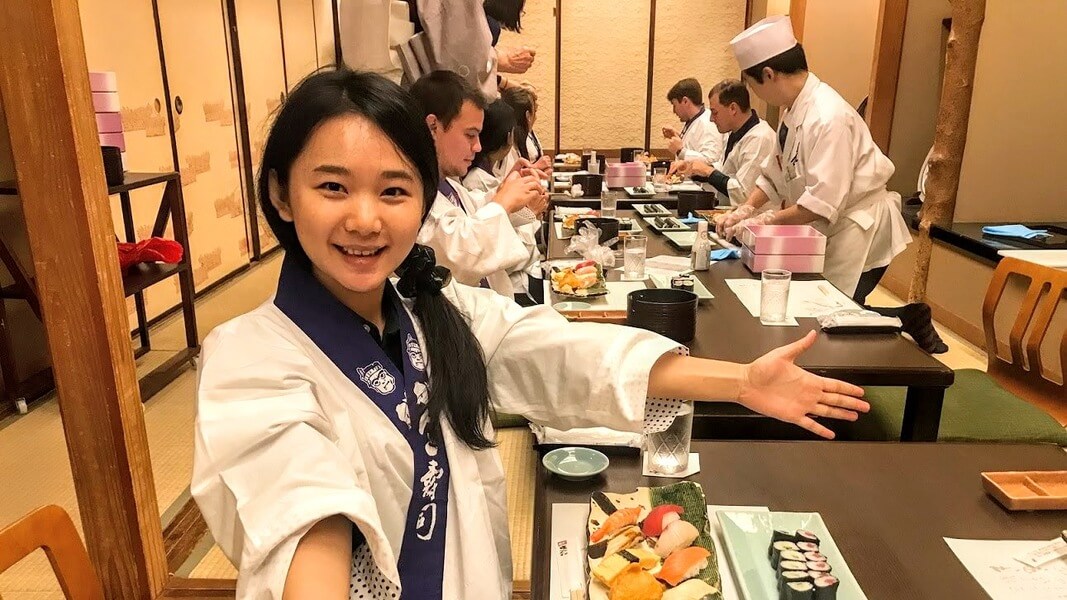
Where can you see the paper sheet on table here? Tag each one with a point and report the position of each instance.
(569, 523)
(615, 300)
(667, 266)
(993, 565)
(806, 298)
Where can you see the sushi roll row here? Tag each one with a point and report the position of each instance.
(802, 569)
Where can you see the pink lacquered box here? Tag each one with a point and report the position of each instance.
(103, 81)
(109, 122)
(783, 239)
(796, 263)
(631, 174)
(106, 102)
(113, 139)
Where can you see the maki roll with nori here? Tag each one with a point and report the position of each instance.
(791, 565)
(799, 590)
(822, 567)
(808, 546)
(776, 551)
(815, 557)
(787, 577)
(826, 587)
(792, 555)
(803, 535)
(781, 535)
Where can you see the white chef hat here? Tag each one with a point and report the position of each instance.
(763, 40)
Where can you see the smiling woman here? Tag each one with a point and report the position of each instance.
(343, 440)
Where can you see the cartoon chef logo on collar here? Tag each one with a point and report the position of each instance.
(377, 377)
(415, 353)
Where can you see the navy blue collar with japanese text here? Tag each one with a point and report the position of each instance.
(401, 392)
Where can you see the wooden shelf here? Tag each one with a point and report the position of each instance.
(131, 181)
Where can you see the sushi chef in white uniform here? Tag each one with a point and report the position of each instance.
(829, 172)
(475, 240)
(342, 440)
(750, 143)
(699, 139)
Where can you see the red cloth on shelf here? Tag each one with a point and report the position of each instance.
(150, 250)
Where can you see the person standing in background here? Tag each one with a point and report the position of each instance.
(829, 173)
(750, 143)
(699, 139)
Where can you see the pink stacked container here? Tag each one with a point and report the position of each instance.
(796, 248)
(104, 86)
(619, 175)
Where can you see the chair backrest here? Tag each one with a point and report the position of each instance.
(51, 529)
(1024, 373)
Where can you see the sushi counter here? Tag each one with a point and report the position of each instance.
(808, 520)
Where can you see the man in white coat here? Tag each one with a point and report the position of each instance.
(475, 240)
(829, 173)
(750, 143)
(699, 139)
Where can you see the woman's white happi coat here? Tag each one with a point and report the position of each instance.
(284, 439)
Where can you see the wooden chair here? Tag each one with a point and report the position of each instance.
(1024, 373)
(51, 529)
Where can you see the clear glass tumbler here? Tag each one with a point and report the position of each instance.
(668, 450)
(634, 249)
(774, 295)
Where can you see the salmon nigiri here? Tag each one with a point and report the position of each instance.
(623, 517)
(683, 564)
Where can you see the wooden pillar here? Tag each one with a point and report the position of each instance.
(950, 137)
(885, 73)
(45, 90)
(797, 10)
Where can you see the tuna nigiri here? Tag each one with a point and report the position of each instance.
(676, 536)
(660, 517)
(618, 519)
(684, 564)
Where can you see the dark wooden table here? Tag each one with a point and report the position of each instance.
(727, 331)
(887, 505)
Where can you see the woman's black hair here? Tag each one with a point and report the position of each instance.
(459, 389)
(791, 61)
(507, 12)
(521, 100)
(497, 126)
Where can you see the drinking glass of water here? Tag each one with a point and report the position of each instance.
(668, 450)
(774, 295)
(609, 201)
(659, 180)
(633, 257)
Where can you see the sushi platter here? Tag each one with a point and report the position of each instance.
(652, 544)
(651, 210)
(786, 556)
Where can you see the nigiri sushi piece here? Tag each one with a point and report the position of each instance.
(660, 517)
(684, 564)
(620, 540)
(694, 589)
(618, 519)
(677, 535)
(635, 584)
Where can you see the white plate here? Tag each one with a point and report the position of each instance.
(651, 221)
(662, 281)
(640, 209)
(748, 537)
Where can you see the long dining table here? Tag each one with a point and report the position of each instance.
(725, 330)
(887, 505)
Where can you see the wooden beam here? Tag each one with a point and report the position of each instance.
(797, 8)
(54, 142)
(950, 137)
(559, 73)
(651, 65)
(885, 73)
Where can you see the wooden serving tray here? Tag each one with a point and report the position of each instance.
(596, 316)
(1028, 490)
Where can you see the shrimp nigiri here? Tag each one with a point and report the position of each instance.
(623, 517)
(684, 564)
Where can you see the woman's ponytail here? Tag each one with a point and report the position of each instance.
(459, 386)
